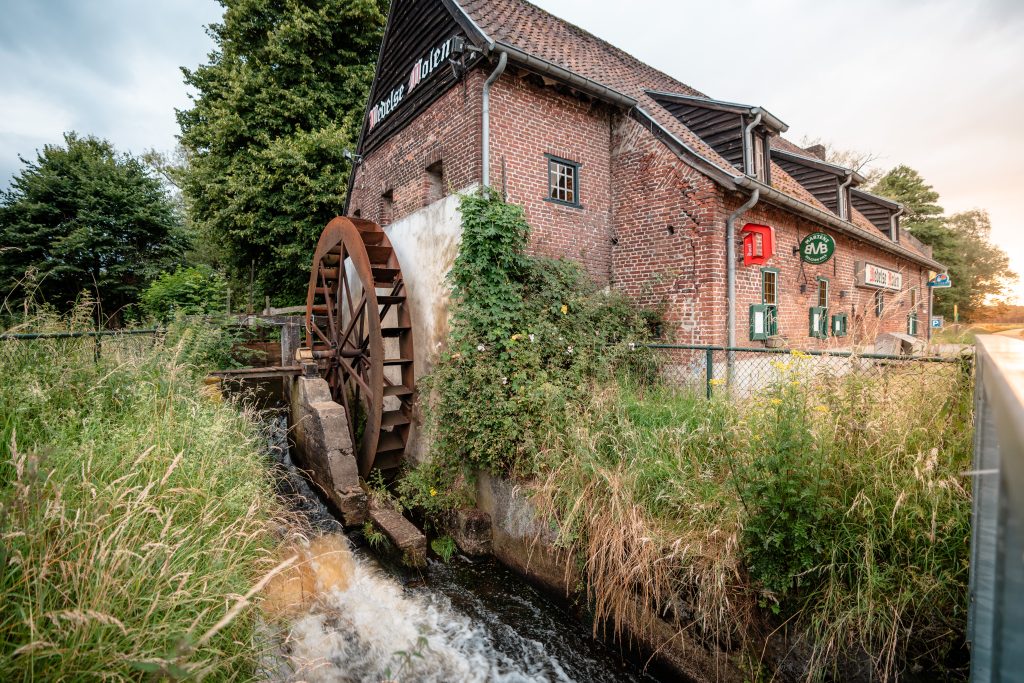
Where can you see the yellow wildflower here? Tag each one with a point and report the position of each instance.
(794, 383)
(776, 401)
(433, 492)
(565, 309)
(821, 409)
(516, 337)
(715, 382)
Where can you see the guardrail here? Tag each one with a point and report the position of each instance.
(995, 617)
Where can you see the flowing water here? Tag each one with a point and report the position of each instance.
(346, 616)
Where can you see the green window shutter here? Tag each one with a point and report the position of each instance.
(758, 322)
(816, 322)
(912, 324)
(839, 325)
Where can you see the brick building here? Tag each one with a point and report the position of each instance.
(640, 178)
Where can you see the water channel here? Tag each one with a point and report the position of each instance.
(461, 621)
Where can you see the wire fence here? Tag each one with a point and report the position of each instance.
(76, 338)
(742, 373)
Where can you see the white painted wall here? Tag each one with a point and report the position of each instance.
(426, 243)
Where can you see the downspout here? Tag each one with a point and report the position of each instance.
(894, 229)
(748, 145)
(844, 198)
(486, 157)
(730, 267)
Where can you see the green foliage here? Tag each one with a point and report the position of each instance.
(188, 291)
(279, 102)
(978, 268)
(848, 518)
(374, 538)
(136, 508)
(783, 489)
(528, 337)
(444, 546)
(83, 217)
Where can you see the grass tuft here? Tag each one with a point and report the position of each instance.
(136, 512)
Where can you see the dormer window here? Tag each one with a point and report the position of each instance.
(828, 183)
(723, 126)
(879, 210)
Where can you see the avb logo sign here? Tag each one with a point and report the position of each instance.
(817, 247)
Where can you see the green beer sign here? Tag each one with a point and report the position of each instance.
(817, 247)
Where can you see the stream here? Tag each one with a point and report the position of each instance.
(354, 617)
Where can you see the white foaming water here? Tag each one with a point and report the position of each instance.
(374, 630)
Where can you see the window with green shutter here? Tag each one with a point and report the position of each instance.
(839, 325)
(769, 302)
(912, 324)
(817, 322)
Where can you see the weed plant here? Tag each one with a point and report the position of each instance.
(135, 510)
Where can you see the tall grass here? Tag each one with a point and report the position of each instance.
(135, 510)
(842, 513)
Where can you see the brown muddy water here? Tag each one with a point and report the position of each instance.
(343, 614)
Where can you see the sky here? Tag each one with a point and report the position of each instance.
(934, 84)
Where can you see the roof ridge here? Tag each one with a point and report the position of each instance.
(617, 51)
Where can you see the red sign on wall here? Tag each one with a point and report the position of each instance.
(758, 244)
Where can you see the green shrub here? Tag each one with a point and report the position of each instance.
(188, 291)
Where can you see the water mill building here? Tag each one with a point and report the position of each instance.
(686, 203)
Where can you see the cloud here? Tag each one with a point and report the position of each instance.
(108, 69)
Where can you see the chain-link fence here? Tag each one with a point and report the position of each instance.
(743, 373)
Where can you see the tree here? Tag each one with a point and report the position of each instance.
(83, 217)
(278, 103)
(978, 269)
(190, 291)
(983, 269)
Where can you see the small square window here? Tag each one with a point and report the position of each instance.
(563, 181)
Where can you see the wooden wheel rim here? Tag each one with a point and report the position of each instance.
(344, 330)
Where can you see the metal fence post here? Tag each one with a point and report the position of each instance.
(709, 368)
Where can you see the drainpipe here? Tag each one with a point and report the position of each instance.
(730, 267)
(748, 144)
(844, 198)
(894, 230)
(502, 61)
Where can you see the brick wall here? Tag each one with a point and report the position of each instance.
(670, 233)
(529, 121)
(449, 132)
(858, 302)
(648, 224)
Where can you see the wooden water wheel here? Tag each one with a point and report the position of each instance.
(359, 330)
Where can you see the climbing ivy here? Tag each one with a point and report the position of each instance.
(529, 336)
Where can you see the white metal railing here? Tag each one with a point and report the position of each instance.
(995, 619)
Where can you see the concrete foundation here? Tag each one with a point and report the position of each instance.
(402, 533)
(320, 430)
(525, 542)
